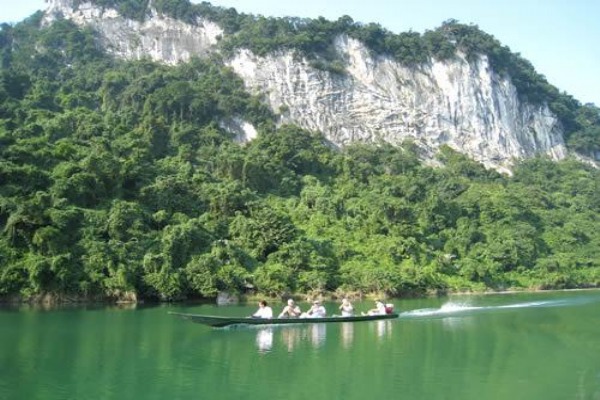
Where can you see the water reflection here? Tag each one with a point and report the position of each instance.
(384, 328)
(291, 337)
(347, 331)
(264, 339)
(318, 333)
(315, 335)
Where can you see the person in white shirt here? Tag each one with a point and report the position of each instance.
(346, 308)
(379, 309)
(290, 311)
(264, 311)
(316, 311)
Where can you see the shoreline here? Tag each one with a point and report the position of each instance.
(50, 300)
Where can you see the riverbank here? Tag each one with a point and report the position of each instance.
(130, 298)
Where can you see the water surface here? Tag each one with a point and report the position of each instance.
(511, 346)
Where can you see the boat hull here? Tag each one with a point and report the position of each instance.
(220, 322)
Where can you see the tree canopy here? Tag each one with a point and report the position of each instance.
(118, 177)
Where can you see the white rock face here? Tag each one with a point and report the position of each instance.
(464, 105)
(160, 38)
(244, 131)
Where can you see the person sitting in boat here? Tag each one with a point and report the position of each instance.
(378, 310)
(316, 311)
(290, 311)
(346, 308)
(264, 311)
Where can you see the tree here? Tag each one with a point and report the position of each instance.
(262, 232)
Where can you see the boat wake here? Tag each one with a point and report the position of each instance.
(454, 308)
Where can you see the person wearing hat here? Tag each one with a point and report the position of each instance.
(316, 311)
(290, 311)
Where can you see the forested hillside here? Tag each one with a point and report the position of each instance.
(118, 180)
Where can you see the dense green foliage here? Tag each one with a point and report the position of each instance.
(118, 178)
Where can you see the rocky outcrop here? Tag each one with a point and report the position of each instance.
(160, 38)
(458, 103)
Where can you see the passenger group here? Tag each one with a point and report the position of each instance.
(317, 310)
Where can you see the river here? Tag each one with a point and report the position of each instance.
(508, 346)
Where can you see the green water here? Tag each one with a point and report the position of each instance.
(517, 346)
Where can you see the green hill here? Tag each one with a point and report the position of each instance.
(116, 179)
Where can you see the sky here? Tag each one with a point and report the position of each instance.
(560, 38)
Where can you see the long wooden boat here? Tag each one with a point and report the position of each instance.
(219, 322)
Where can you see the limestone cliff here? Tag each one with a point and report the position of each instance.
(158, 37)
(463, 104)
